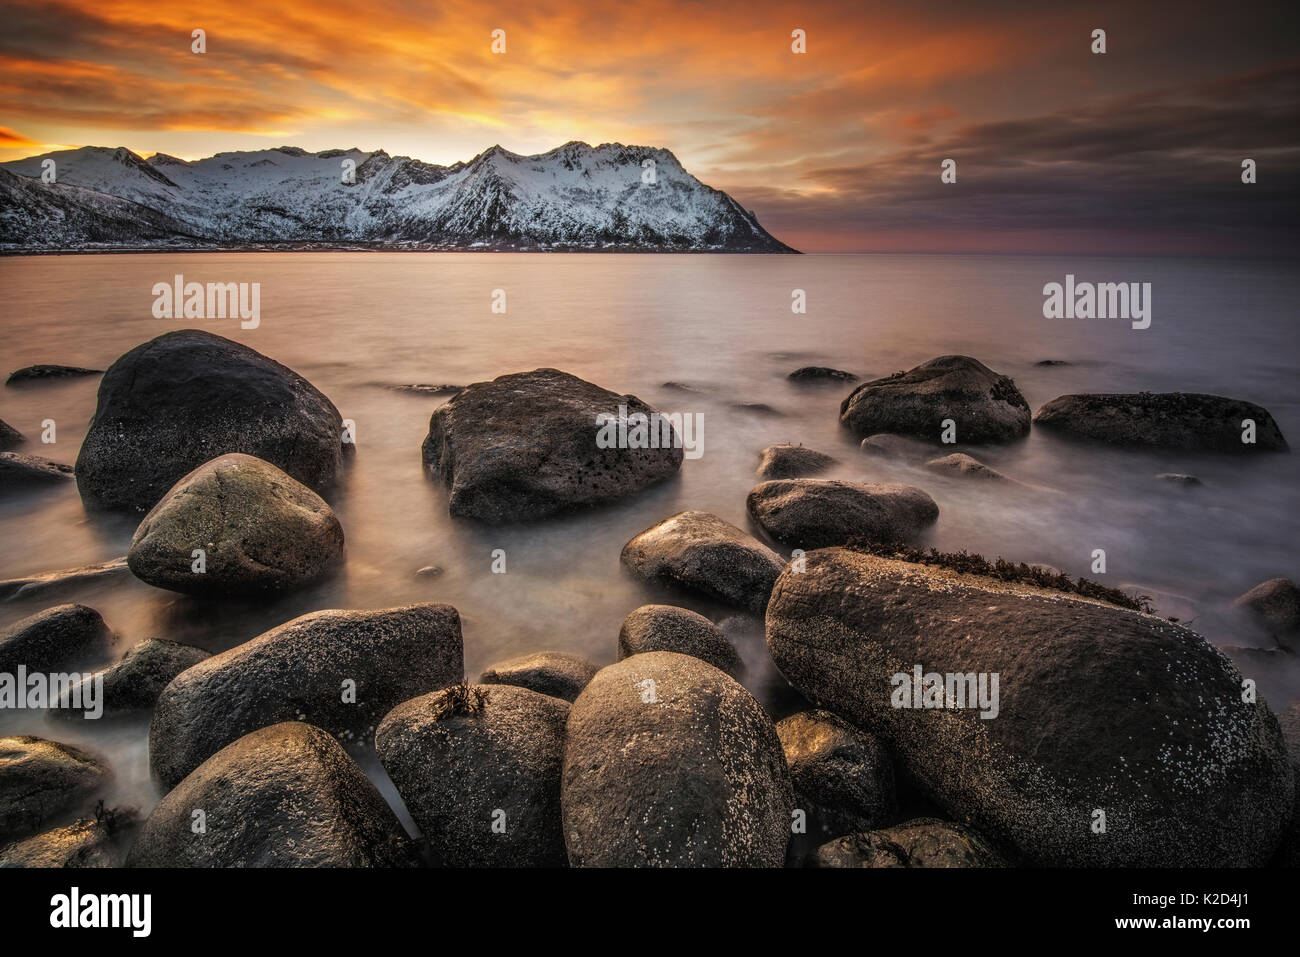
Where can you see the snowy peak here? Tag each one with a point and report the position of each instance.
(574, 197)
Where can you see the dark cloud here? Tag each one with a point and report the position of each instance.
(1136, 166)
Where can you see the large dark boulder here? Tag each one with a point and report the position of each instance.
(259, 529)
(283, 796)
(815, 513)
(700, 552)
(478, 767)
(922, 842)
(42, 779)
(843, 777)
(1167, 420)
(135, 682)
(986, 406)
(686, 632)
(1098, 709)
(340, 670)
(524, 446)
(556, 673)
(668, 762)
(186, 397)
(52, 638)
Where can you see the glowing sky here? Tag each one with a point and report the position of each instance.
(838, 148)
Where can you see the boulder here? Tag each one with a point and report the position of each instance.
(1275, 606)
(1179, 478)
(478, 767)
(341, 670)
(843, 778)
(1097, 708)
(218, 397)
(21, 471)
(701, 552)
(792, 461)
(9, 436)
(670, 763)
(986, 406)
(922, 842)
(669, 628)
(90, 842)
(821, 374)
(52, 638)
(1168, 420)
(284, 796)
(815, 513)
(135, 682)
(525, 446)
(554, 673)
(959, 463)
(42, 779)
(44, 373)
(260, 530)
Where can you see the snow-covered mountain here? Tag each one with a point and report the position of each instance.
(575, 197)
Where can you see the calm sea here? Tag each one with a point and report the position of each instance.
(355, 323)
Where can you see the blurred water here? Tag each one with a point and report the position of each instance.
(722, 325)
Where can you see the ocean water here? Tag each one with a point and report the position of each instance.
(356, 323)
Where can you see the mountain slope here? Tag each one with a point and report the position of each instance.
(574, 197)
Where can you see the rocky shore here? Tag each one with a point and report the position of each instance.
(946, 711)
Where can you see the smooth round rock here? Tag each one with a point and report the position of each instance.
(42, 779)
(52, 638)
(843, 778)
(284, 796)
(668, 762)
(135, 682)
(816, 513)
(792, 461)
(985, 406)
(340, 670)
(669, 628)
(260, 531)
(700, 552)
(478, 767)
(554, 673)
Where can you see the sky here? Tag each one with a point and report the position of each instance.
(1057, 148)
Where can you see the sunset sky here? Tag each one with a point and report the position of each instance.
(1058, 149)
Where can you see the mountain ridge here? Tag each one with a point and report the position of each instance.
(575, 197)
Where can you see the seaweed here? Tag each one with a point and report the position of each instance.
(1002, 570)
(461, 699)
